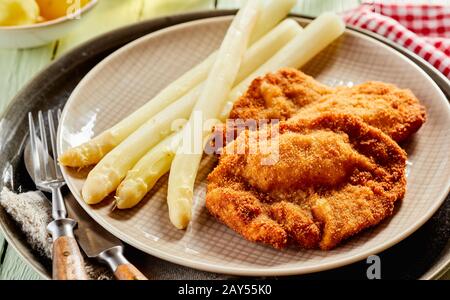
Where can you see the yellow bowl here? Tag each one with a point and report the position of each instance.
(34, 35)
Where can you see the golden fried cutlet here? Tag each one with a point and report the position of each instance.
(278, 96)
(289, 93)
(334, 176)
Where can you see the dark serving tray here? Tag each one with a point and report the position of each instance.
(425, 254)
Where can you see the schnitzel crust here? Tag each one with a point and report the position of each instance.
(290, 94)
(349, 186)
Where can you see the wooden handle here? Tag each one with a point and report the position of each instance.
(67, 260)
(128, 272)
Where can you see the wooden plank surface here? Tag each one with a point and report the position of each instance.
(112, 14)
(15, 268)
(157, 8)
(18, 66)
(107, 15)
(305, 7)
(3, 245)
(446, 276)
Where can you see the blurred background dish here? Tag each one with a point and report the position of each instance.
(52, 87)
(33, 23)
(98, 102)
(427, 243)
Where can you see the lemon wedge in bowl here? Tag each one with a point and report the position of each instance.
(51, 9)
(23, 23)
(18, 12)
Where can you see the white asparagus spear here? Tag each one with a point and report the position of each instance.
(109, 172)
(317, 35)
(266, 47)
(152, 166)
(149, 169)
(273, 12)
(93, 151)
(255, 56)
(126, 198)
(214, 94)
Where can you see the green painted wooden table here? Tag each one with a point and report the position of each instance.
(17, 67)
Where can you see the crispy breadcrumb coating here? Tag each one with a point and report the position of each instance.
(334, 177)
(289, 93)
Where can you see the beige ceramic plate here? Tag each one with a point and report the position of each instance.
(133, 74)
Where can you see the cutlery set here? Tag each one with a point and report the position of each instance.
(71, 225)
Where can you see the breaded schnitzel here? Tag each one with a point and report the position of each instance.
(278, 95)
(334, 177)
(284, 94)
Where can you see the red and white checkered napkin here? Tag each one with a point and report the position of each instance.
(423, 29)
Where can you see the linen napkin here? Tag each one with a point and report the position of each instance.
(32, 211)
(421, 28)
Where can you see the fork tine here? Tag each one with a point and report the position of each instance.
(53, 143)
(34, 149)
(46, 168)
